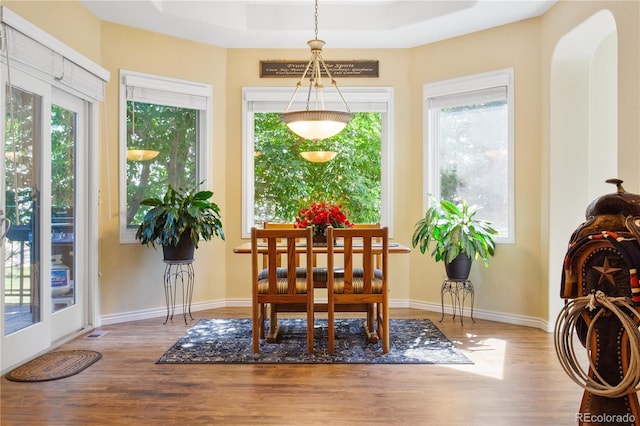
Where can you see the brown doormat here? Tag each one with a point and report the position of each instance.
(54, 365)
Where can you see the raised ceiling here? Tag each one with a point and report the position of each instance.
(290, 23)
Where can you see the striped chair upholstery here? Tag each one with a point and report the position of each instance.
(319, 273)
(358, 281)
(282, 283)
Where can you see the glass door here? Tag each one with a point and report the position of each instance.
(25, 330)
(68, 274)
(44, 297)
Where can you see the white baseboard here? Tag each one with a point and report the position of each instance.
(486, 315)
(395, 303)
(159, 312)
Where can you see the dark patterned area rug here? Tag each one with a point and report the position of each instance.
(228, 341)
(54, 365)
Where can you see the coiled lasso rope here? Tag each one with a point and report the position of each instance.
(565, 350)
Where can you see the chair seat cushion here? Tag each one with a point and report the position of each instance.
(319, 274)
(283, 286)
(358, 281)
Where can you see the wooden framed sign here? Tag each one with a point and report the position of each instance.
(294, 69)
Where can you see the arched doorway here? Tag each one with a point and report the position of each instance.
(583, 133)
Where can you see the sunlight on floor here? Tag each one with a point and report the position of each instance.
(488, 356)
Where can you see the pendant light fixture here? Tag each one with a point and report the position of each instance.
(134, 154)
(318, 156)
(315, 122)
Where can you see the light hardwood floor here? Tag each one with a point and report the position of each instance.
(515, 380)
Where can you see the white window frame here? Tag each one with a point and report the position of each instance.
(275, 99)
(431, 167)
(150, 88)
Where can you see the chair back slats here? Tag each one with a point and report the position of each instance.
(292, 264)
(378, 258)
(274, 225)
(273, 263)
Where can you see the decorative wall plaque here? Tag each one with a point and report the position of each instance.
(342, 69)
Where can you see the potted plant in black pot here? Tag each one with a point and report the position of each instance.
(179, 220)
(459, 237)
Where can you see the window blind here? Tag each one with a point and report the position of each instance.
(166, 91)
(28, 48)
(481, 96)
(276, 99)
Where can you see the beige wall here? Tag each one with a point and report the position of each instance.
(515, 284)
(131, 274)
(499, 288)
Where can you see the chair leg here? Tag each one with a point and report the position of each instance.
(331, 324)
(255, 326)
(272, 335)
(261, 319)
(369, 325)
(310, 330)
(385, 326)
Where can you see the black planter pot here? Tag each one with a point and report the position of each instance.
(459, 268)
(182, 252)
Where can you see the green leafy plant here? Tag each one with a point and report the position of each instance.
(454, 230)
(180, 211)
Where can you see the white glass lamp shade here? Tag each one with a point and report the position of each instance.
(315, 124)
(318, 156)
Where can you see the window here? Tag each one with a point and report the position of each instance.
(164, 133)
(469, 145)
(277, 181)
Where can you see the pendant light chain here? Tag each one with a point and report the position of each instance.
(315, 17)
(315, 122)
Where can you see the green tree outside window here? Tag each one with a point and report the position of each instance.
(285, 182)
(171, 131)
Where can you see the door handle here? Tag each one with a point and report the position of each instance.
(5, 224)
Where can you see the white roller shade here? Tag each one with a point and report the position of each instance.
(165, 91)
(275, 99)
(482, 96)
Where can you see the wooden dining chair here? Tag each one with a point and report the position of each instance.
(280, 285)
(347, 287)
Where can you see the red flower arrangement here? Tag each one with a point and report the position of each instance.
(320, 216)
